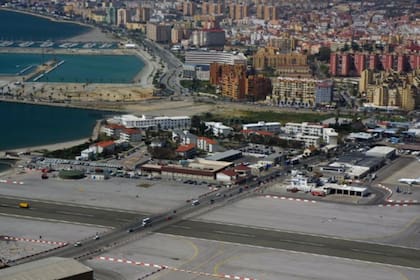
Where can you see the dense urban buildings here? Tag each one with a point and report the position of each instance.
(391, 89)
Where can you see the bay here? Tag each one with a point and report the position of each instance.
(15, 26)
(34, 125)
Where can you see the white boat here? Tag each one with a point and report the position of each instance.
(46, 44)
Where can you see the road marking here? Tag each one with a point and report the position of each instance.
(299, 252)
(303, 242)
(74, 213)
(367, 251)
(234, 233)
(214, 275)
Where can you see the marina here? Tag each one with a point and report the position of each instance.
(57, 45)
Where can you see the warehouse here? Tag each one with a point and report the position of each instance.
(382, 152)
(53, 268)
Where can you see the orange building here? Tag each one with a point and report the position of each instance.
(234, 82)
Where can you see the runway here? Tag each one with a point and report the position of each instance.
(67, 213)
(329, 246)
(298, 242)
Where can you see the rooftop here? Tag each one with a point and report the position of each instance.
(46, 269)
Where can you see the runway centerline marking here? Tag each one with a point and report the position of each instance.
(234, 233)
(74, 213)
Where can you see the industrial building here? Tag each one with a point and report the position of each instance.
(199, 169)
(53, 268)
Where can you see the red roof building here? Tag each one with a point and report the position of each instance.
(186, 151)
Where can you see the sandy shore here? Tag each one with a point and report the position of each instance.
(50, 147)
(94, 35)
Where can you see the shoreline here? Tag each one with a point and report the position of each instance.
(50, 147)
(49, 17)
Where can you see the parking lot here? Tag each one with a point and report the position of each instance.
(140, 195)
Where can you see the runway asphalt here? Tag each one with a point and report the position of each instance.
(298, 242)
(68, 213)
(335, 247)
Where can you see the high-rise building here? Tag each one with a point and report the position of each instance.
(294, 92)
(394, 89)
(340, 64)
(257, 87)
(143, 14)
(111, 16)
(160, 33)
(284, 64)
(121, 17)
(189, 8)
(209, 38)
(234, 83)
(212, 8)
(268, 12)
(365, 79)
(238, 11)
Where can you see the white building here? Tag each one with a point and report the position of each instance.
(273, 127)
(209, 57)
(219, 129)
(301, 130)
(165, 123)
(309, 140)
(304, 128)
(131, 135)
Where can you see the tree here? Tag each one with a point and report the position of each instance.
(324, 54)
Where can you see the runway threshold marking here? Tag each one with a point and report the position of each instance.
(159, 266)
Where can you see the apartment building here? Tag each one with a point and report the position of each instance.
(392, 89)
(160, 33)
(238, 11)
(234, 82)
(353, 64)
(294, 92)
(284, 64)
(311, 134)
(273, 127)
(209, 37)
(212, 8)
(144, 122)
(219, 129)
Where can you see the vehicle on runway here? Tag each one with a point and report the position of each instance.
(24, 205)
(146, 222)
(409, 181)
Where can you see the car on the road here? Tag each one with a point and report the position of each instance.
(77, 244)
(195, 202)
(96, 237)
